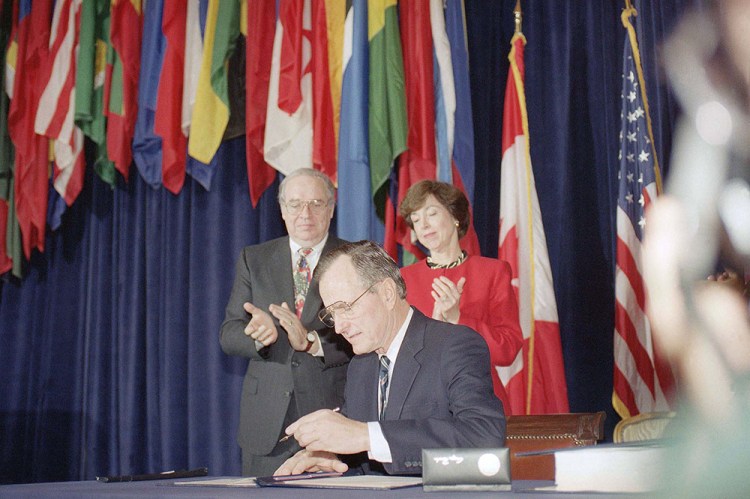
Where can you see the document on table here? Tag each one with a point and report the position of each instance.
(221, 482)
(369, 482)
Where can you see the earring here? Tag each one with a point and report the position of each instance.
(456, 223)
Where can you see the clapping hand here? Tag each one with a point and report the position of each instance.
(261, 327)
(447, 296)
(295, 331)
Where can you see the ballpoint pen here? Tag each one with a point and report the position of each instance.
(286, 437)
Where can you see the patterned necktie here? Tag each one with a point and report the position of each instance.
(383, 382)
(302, 277)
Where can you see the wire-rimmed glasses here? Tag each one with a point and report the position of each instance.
(296, 206)
(328, 315)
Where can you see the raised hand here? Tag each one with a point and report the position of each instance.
(447, 296)
(261, 327)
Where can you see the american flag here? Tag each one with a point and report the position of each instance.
(642, 380)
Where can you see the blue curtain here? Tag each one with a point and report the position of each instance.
(109, 354)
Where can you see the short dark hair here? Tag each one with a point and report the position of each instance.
(448, 195)
(370, 261)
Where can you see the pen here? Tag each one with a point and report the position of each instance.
(286, 437)
(155, 476)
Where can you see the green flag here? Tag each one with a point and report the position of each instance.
(92, 64)
(387, 108)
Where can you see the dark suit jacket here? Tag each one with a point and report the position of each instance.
(264, 276)
(440, 394)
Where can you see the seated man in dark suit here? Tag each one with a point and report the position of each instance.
(431, 392)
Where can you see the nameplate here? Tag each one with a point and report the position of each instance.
(466, 469)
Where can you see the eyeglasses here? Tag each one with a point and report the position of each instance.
(317, 206)
(328, 315)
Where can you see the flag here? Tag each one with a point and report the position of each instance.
(123, 70)
(463, 137)
(197, 11)
(535, 382)
(90, 75)
(432, 107)
(147, 145)
(643, 381)
(55, 115)
(455, 165)
(211, 110)
(288, 142)
(359, 220)
(11, 253)
(387, 99)
(31, 150)
(261, 15)
(193, 57)
(168, 118)
(323, 76)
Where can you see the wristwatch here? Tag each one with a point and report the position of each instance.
(311, 337)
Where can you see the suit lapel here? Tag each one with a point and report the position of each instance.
(281, 259)
(406, 368)
(370, 392)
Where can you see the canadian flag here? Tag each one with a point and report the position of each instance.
(535, 382)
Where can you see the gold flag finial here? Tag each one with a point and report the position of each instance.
(517, 15)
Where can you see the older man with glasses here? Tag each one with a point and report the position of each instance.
(297, 364)
(414, 382)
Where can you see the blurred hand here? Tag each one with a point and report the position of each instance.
(308, 461)
(447, 296)
(261, 327)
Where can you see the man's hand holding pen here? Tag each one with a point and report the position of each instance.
(328, 430)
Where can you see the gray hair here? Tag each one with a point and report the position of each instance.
(309, 172)
(370, 261)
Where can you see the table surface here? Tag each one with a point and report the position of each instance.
(168, 488)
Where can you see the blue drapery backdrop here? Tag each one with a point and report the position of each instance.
(110, 360)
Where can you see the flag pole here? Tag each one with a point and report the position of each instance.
(518, 16)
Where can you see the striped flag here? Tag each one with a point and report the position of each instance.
(437, 95)
(55, 116)
(359, 220)
(453, 117)
(535, 382)
(643, 381)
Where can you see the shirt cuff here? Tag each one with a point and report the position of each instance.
(316, 350)
(379, 448)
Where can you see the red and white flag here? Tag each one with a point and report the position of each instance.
(288, 142)
(535, 382)
(56, 112)
(643, 380)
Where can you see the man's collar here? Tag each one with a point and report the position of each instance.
(318, 248)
